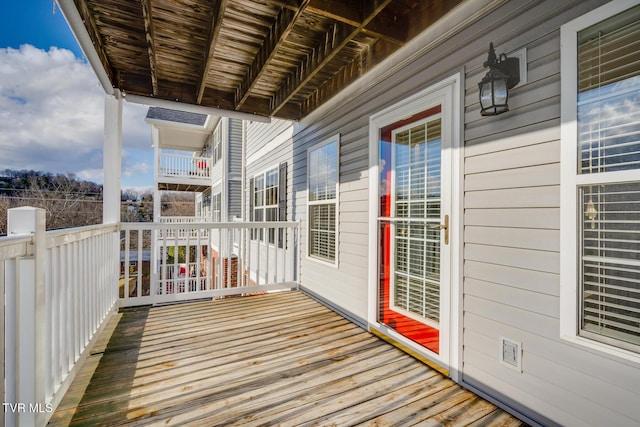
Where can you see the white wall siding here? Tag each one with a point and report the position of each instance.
(512, 232)
(511, 216)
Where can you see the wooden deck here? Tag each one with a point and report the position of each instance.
(276, 359)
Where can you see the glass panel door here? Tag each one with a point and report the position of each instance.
(410, 216)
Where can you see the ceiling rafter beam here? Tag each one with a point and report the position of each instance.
(148, 30)
(335, 39)
(348, 73)
(216, 25)
(278, 32)
(348, 12)
(342, 11)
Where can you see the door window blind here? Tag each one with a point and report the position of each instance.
(609, 94)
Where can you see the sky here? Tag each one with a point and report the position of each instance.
(51, 104)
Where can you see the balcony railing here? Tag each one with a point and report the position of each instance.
(181, 233)
(172, 262)
(58, 288)
(184, 167)
(183, 219)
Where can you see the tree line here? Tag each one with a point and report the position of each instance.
(73, 202)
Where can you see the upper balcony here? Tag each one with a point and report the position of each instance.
(183, 172)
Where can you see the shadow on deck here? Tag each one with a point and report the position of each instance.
(275, 359)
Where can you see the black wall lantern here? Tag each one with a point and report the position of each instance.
(504, 73)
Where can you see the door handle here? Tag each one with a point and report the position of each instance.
(444, 227)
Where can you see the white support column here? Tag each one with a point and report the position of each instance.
(157, 206)
(112, 162)
(30, 317)
(155, 137)
(225, 130)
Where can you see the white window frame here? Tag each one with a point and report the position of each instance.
(336, 202)
(262, 237)
(216, 145)
(216, 210)
(570, 181)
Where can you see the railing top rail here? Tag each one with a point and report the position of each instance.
(183, 219)
(207, 225)
(15, 246)
(68, 235)
(185, 156)
(16, 239)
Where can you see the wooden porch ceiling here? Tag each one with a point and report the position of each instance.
(275, 359)
(173, 186)
(275, 58)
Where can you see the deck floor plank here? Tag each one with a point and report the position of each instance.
(273, 359)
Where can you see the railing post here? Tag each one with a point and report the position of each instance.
(30, 318)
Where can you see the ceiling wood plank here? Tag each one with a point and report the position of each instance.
(333, 85)
(94, 33)
(336, 39)
(347, 12)
(148, 29)
(390, 27)
(350, 14)
(216, 25)
(279, 31)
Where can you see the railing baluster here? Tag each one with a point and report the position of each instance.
(10, 338)
(139, 284)
(49, 316)
(241, 258)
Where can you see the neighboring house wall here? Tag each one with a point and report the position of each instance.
(511, 205)
(267, 146)
(227, 172)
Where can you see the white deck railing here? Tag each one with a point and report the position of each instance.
(183, 219)
(58, 288)
(183, 166)
(182, 233)
(190, 261)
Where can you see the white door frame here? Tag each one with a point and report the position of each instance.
(447, 92)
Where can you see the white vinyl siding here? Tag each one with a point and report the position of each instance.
(512, 222)
(606, 175)
(322, 167)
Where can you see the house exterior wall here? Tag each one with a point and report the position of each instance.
(511, 225)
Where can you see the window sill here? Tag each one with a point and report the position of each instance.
(625, 356)
(322, 261)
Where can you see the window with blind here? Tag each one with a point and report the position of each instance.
(268, 202)
(216, 147)
(606, 179)
(265, 201)
(322, 169)
(217, 207)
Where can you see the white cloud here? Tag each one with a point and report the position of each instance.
(95, 175)
(139, 168)
(51, 114)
